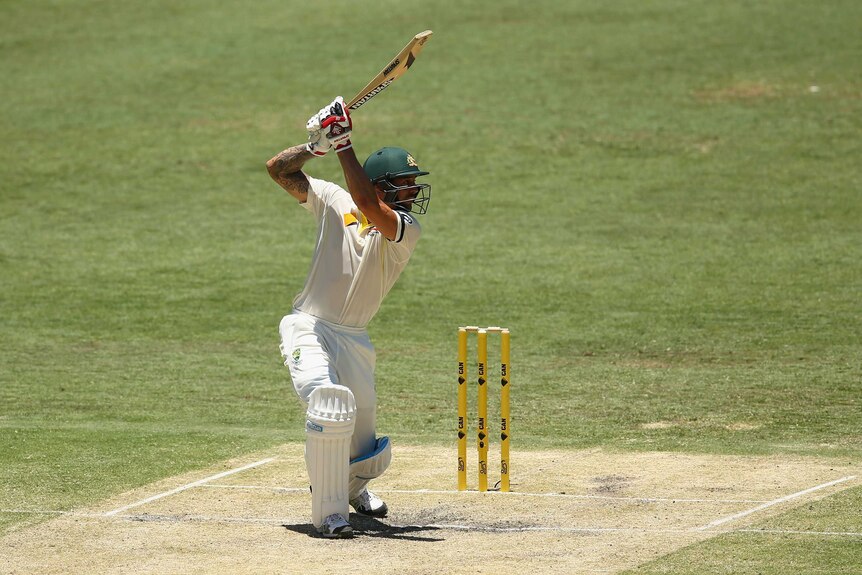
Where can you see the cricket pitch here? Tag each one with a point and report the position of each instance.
(588, 511)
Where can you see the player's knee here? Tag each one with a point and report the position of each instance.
(331, 409)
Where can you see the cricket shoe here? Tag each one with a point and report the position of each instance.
(335, 527)
(366, 503)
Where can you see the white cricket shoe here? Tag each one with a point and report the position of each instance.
(366, 503)
(335, 527)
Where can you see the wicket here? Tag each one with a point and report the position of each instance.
(482, 406)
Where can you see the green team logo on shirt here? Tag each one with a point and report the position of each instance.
(295, 355)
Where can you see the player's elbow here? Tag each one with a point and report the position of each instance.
(367, 204)
(272, 167)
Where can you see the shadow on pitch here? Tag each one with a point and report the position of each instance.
(370, 527)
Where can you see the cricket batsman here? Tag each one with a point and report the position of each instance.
(365, 237)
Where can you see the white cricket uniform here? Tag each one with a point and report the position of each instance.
(324, 340)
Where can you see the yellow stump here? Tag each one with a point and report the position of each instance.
(482, 411)
(462, 409)
(504, 410)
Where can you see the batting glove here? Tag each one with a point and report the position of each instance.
(317, 143)
(336, 124)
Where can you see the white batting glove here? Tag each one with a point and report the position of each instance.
(336, 124)
(317, 143)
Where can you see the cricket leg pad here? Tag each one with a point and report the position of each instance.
(328, 428)
(369, 466)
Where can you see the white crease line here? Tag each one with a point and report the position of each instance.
(628, 530)
(264, 487)
(33, 512)
(189, 486)
(158, 518)
(155, 518)
(501, 493)
(51, 512)
(453, 527)
(799, 532)
(538, 528)
(488, 529)
(784, 499)
(573, 496)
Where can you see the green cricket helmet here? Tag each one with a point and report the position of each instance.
(389, 163)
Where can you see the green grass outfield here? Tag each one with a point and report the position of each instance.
(660, 198)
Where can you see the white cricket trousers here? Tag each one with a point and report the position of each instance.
(318, 353)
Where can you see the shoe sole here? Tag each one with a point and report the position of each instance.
(380, 513)
(345, 532)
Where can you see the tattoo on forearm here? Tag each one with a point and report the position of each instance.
(285, 169)
(292, 159)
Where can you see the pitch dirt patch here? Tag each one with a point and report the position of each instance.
(569, 512)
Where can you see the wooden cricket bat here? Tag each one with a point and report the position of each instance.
(395, 69)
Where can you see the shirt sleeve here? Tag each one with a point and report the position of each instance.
(320, 194)
(406, 236)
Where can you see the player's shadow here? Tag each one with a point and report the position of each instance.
(370, 527)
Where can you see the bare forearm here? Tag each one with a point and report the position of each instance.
(286, 169)
(288, 161)
(365, 196)
(360, 187)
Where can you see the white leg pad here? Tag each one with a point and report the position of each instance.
(329, 425)
(366, 467)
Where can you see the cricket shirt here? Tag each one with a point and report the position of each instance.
(354, 266)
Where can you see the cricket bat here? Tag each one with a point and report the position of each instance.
(394, 70)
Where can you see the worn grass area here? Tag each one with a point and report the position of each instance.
(771, 546)
(659, 198)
